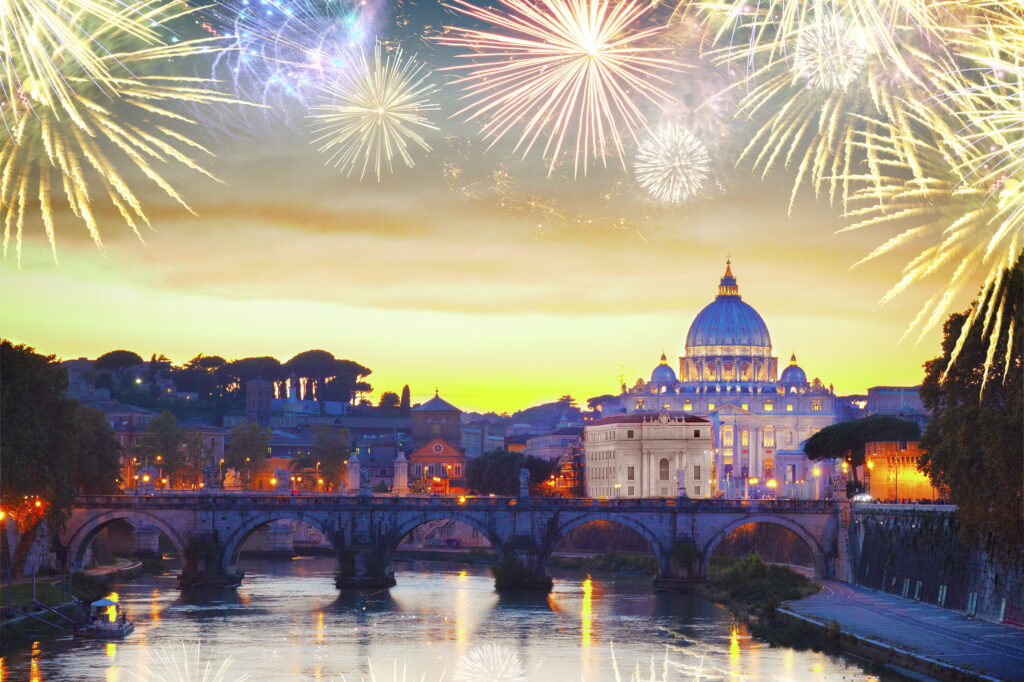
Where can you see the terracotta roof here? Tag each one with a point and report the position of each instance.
(640, 417)
(446, 450)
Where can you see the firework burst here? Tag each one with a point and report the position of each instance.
(573, 70)
(672, 164)
(186, 664)
(283, 51)
(375, 109)
(490, 663)
(829, 55)
(85, 98)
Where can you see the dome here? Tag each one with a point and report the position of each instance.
(663, 374)
(728, 321)
(793, 374)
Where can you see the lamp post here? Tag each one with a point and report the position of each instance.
(618, 490)
(817, 476)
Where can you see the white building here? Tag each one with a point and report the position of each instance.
(760, 417)
(647, 455)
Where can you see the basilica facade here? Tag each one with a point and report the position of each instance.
(760, 417)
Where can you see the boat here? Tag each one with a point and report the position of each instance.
(106, 621)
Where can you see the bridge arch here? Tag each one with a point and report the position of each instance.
(406, 526)
(818, 554)
(79, 539)
(662, 553)
(236, 538)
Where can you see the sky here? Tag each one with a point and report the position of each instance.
(500, 298)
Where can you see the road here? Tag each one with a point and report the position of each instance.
(941, 634)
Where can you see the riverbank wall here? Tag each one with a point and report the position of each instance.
(916, 552)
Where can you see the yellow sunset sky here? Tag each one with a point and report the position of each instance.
(435, 281)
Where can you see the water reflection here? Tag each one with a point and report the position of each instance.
(288, 622)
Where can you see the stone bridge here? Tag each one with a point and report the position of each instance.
(208, 530)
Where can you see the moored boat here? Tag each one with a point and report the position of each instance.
(106, 620)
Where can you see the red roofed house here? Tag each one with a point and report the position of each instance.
(438, 467)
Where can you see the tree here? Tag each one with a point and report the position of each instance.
(247, 448)
(405, 406)
(197, 453)
(333, 448)
(846, 440)
(974, 442)
(162, 439)
(388, 401)
(116, 362)
(51, 447)
(97, 453)
(497, 472)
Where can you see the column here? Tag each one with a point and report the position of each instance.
(401, 482)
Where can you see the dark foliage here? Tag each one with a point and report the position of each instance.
(497, 472)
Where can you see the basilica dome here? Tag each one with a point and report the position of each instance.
(793, 374)
(728, 321)
(663, 374)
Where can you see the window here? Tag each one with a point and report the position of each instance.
(435, 428)
(630, 491)
(816, 406)
(696, 472)
(629, 433)
(640, 404)
(769, 407)
(696, 433)
(745, 406)
(687, 406)
(745, 437)
(711, 406)
(666, 406)
(458, 469)
(696, 491)
(727, 437)
(769, 437)
(789, 407)
(629, 474)
(663, 470)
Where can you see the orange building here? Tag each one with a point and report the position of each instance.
(890, 472)
(438, 467)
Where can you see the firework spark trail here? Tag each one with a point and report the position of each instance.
(490, 663)
(672, 164)
(374, 111)
(575, 70)
(174, 665)
(72, 113)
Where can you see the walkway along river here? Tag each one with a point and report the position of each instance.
(287, 622)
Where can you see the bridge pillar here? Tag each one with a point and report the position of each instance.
(146, 540)
(364, 561)
(202, 564)
(521, 568)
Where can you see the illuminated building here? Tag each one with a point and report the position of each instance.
(890, 472)
(642, 455)
(759, 417)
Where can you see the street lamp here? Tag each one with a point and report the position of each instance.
(817, 474)
(618, 490)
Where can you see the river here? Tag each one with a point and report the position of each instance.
(441, 622)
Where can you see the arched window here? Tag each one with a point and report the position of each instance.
(663, 470)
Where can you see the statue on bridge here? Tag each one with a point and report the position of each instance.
(524, 482)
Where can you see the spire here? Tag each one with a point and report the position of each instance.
(664, 360)
(435, 392)
(728, 286)
(792, 358)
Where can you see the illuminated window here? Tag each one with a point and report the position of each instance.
(711, 406)
(667, 407)
(816, 406)
(664, 389)
(789, 407)
(769, 437)
(745, 437)
(687, 406)
(639, 404)
(745, 406)
(727, 437)
(768, 407)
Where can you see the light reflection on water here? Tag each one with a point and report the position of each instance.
(288, 622)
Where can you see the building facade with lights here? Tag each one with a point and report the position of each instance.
(648, 455)
(759, 417)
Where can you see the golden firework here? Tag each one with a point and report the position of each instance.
(85, 98)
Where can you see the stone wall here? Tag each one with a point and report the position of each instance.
(916, 552)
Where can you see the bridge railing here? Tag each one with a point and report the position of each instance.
(238, 499)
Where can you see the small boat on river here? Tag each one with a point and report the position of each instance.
(106, 620)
